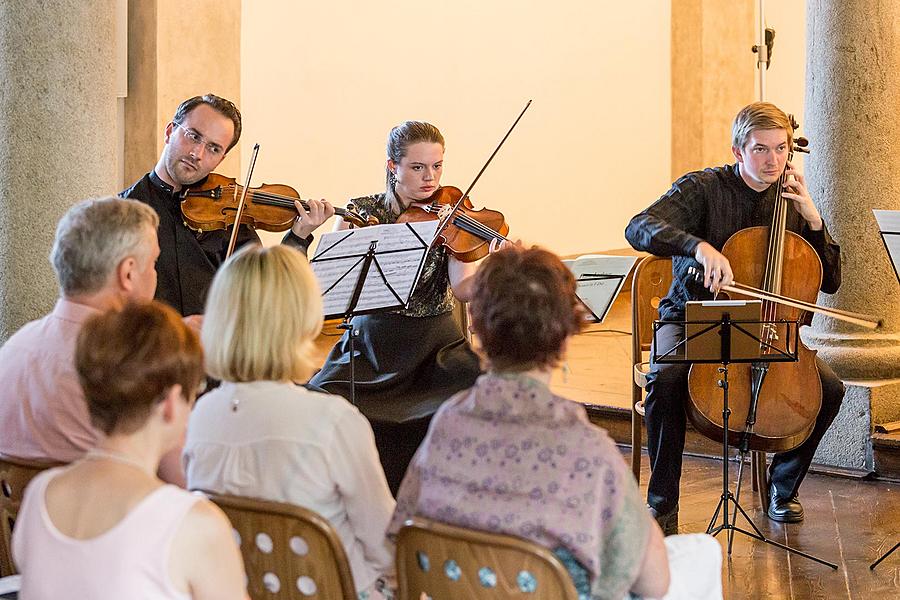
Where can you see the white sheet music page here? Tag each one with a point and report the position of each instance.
(600, 278)
(889, 224)
(340, 256)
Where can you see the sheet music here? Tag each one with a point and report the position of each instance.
(339, 260)
(600, 278)
(889, 224)
(888, 220)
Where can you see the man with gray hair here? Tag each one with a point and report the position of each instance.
(104, 255)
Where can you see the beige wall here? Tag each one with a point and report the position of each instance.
(322, 83)
(786, 77)
(713, 75)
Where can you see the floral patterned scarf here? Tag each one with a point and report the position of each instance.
(509, 456)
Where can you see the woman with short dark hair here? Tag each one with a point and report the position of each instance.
(509, 456)
(105, 527)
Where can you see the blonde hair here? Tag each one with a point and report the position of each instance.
(759, 115)
(399, 140)
(263, 312)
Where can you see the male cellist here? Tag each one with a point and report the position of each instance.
(197, 139)
(690, 223)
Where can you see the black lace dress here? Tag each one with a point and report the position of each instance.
(407, 361)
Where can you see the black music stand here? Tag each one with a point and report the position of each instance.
(343, 264)
(723, 327)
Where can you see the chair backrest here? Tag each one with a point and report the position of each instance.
(652, 279)
(15, 473)
(289, 551)
(445, 562)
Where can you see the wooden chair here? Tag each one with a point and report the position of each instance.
(289, 551)
(652, 279)
(444, 562)
(15, 474)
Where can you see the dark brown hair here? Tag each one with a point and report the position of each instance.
(224, 107)
(524, 308)
(128, 360)
(399, 140)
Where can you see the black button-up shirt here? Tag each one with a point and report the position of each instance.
(188, 260)
(711, 205)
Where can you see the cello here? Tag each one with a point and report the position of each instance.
(774, 405)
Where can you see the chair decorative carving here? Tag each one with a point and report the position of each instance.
(443, 562)
(289, 551)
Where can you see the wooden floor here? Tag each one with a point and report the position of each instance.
(848, 522)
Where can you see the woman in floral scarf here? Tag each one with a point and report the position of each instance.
(511, 457)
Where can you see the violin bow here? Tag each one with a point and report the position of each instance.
(449, 218)
(240, 208)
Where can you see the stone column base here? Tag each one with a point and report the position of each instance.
(847, 444)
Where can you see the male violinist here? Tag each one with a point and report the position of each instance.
(197, 139)
(691, 222)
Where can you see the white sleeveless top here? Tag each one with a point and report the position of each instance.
(130, 560)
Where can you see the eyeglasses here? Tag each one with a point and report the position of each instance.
(196, 139)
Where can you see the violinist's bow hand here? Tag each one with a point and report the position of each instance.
(308, 221)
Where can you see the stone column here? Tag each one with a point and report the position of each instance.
(57, 137)
(713, 76)
(853, 123)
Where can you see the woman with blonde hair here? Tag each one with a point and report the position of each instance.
(262, 434)
(106, 526)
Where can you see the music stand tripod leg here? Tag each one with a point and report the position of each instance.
(727, 496)
(884, 556)
(347, 323)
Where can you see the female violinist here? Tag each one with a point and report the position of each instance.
(408, 361)
(691, 223)
(202, 132)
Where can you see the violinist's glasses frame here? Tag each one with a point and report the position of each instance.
(196, 139)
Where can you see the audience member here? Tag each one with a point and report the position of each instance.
(509, 456)
(261, 434)
(105, 526)
(104, 254)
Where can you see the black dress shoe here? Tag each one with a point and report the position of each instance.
(668, 522)
(784, 510)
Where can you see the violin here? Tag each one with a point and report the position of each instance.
(469, 233)
(213, 204)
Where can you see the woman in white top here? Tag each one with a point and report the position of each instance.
(106, 527)
(261, 434)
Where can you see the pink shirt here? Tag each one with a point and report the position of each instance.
(43, 414)
(130, 560)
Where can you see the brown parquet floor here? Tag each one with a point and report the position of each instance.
(849, 522)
